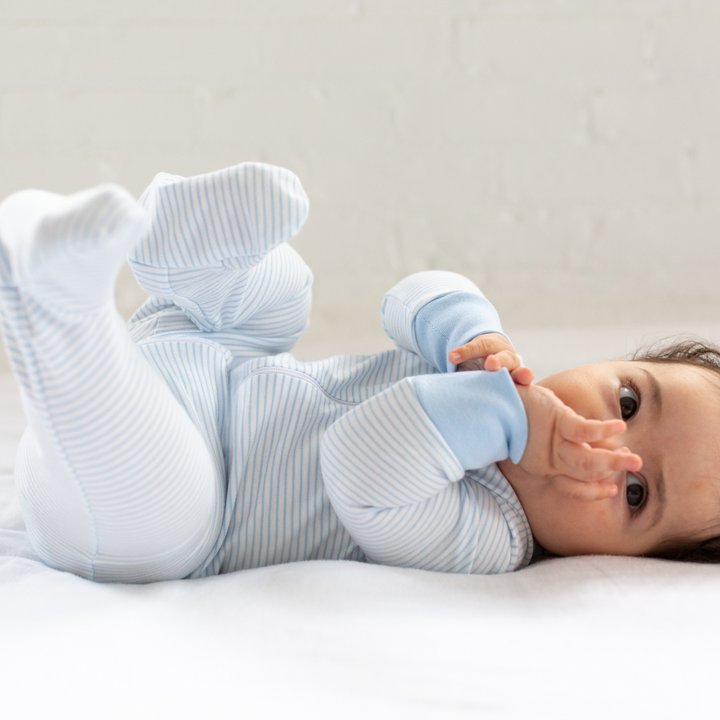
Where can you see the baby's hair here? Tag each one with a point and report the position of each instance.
(702, 354)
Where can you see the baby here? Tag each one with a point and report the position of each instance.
(192, 443)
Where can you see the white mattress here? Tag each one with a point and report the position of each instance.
(591, 637)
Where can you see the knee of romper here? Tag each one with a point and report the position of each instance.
(70, 536)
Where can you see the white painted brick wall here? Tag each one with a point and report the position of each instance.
(562, 153)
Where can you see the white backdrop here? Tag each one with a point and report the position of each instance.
(563, 154)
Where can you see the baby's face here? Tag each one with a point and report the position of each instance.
(673, 423)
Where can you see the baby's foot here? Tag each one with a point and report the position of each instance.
(234, 216)
(65, 251)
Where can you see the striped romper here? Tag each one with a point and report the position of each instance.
(191, 443)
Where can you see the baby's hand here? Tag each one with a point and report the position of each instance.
(559, 447)
(491, 351)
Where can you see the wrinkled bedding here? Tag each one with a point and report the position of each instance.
(590, 637)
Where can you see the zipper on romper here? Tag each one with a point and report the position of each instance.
(270, 369)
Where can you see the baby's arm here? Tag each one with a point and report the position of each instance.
(546, 438)
(403, 491)
(399, 469)
(431, 313)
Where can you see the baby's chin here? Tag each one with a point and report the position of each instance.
(534, 502)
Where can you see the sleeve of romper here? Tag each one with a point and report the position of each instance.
(397, 474)
(432, 312)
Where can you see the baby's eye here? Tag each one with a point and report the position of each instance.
(635, 492)
(629, 402)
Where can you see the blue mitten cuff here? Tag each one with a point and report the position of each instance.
(479, 414)
(452, 320)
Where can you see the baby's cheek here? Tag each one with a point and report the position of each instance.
(602, 511)
(592, 530)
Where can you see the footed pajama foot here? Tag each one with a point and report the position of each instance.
(65, 251)
(233, 216)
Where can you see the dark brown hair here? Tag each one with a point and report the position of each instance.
(697, 352)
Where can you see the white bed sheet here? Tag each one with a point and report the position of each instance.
(592, 637)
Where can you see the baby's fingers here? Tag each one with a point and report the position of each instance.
(577, 429)
(479, 347)
(523, 376)
(504, 359)
(583, 462)
(584, 490)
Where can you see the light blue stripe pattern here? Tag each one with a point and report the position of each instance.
(193, 443)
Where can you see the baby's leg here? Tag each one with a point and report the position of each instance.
(115, 481)
(213, 247)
